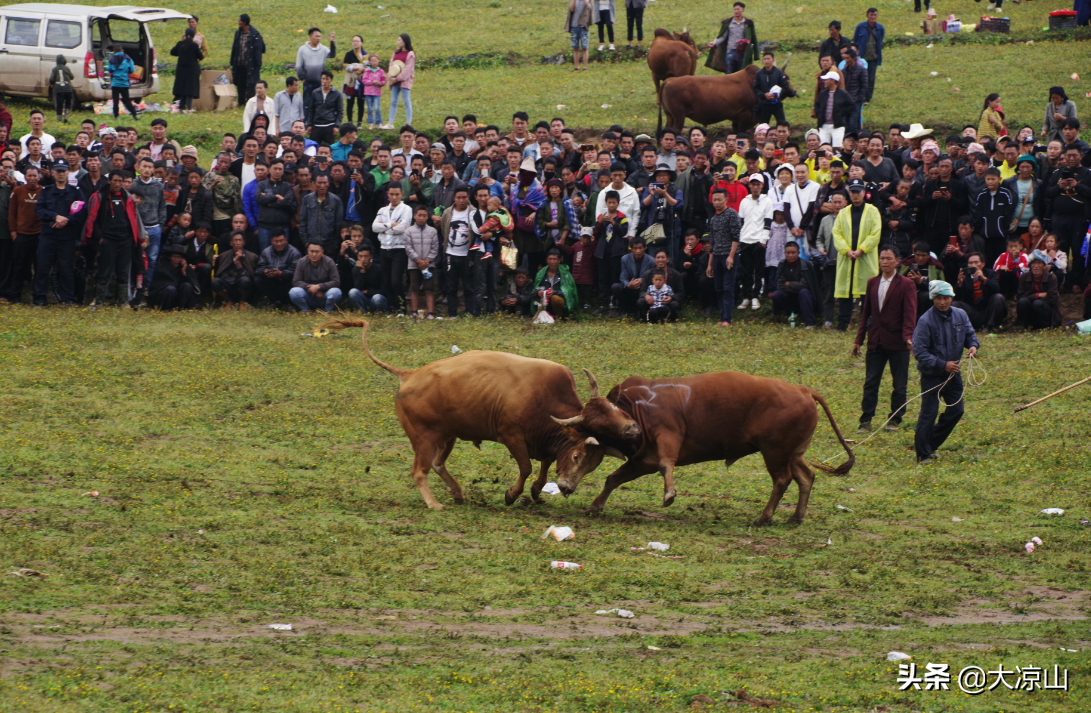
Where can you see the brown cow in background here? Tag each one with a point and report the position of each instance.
(671, 55)
(494, 396)
(710, 100)
(721, 416)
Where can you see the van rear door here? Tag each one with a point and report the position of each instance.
(127, 28)
(20, 55)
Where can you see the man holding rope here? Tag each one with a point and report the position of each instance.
(941, 334)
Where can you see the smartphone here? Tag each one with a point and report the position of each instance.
(968, 271)
(954, 241)
(655, 185)
(594, 167)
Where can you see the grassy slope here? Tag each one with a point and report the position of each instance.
(286, 452)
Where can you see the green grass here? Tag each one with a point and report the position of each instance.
(286, 453)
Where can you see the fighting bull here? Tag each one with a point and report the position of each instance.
(710, 100)
(493, 396)
(671, 55)
(720, 416)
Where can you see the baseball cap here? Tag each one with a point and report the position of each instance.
(59, 165)
(831, 75)
(857, 185)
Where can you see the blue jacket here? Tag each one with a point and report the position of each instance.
(859, 38)
(53, 202)
(250, 203)
(629, 270)
(121, 66)
(940, 337)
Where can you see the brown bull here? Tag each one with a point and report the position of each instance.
(671, 55)
(710, 100)
(721, 416)
(494, 396)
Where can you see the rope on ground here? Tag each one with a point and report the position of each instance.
(1058, 391)
(975, 376)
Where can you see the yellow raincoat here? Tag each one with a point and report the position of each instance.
(852, 275)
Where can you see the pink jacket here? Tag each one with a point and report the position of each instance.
(406, 76)
(372, 81)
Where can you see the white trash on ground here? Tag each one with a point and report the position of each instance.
(623, 613)
(897, 656)
(551, 488)
(560, 533)
(1052, 511)
(1036, 540)
(658, 546)
(1029, 547)
(956, 519)
(455, 349)
(281, 627)
(557, 564)
(330, 9)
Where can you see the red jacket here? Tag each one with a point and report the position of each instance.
(893, 327)
(583, 261)
(93, 230)
(736, 191)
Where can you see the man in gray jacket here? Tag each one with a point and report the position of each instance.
(152, 210)
(288, 105)
(316, 283)
(310, 60)
(320, 216)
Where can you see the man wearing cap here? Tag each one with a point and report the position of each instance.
(856, 234)
(941, 334)
(61, 209)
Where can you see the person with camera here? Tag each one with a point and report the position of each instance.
(661, 205)
(1038, 298)
(921, 269)
(977, 293)
(887, 319)
(1069, 192)
(276, 268)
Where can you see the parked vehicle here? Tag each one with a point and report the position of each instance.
(33, 34)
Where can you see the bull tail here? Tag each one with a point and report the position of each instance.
(845, 467)
(344, 324)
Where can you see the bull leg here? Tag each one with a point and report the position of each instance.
(804, 477)
(536, 487)
(628, 471)
(424, 453)
(518, 451)
(782, 478)
(666, 469)
(439, 464)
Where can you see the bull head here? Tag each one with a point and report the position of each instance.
(789, 90)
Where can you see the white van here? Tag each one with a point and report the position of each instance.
(33, 34)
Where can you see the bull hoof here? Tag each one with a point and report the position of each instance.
(536, 496)
(795, 520)
(436, 506)
(763, 522)
(460, 501)
(592, 510)
(668, 498)
(509, 498)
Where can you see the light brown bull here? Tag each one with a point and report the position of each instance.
(671, 55)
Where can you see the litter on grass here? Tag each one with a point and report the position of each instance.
(281, 627)
(1036, 540)
(455, 349)
(956, 519)
(1052, 511)
(557, 564)
(658, 546)
(653, 648)
(623, 613)
(897, 656)
(24, 572)
(560, 533)
(842, 507)
(551, 488)
(1029, 547)
(330, 9)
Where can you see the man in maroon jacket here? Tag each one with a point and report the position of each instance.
(888, 318)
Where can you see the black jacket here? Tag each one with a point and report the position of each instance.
(674, 281)
(992, 214)
(965, 291)
(326, 110)
(53, 202)
(274, 212)
(766, 80)
(200, 205)
(844, 109)
(187, 74)
(1073, 203)
(252, 60)
(166, 276)
(940, 218)
(370, 282)
(808, 278)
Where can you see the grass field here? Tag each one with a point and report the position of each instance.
(248, 476)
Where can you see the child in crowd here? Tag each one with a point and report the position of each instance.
(497, 220)
(421, 251)
(661, 294)
(1010, 265)
(182, 231)
(372, 82)
(1058, 259)
(774, 250)
(582, 255)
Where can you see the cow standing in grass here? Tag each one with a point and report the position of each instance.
(721, 416)
(494, 396)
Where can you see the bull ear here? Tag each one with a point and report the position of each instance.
(594, 383)
(615, 453)
(591, 441)
(568, 421)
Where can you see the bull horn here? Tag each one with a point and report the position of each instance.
(591, 441)
(594, 383)
(685, 30)
(568, 421)
(614, 452)
(786, 61)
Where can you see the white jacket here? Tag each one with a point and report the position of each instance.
(754, 213)
(390, 235)
(629, 205)
(270, 111)
(798, 201)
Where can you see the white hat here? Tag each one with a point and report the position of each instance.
(528, 165)
(831, 75)
(916, 131)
